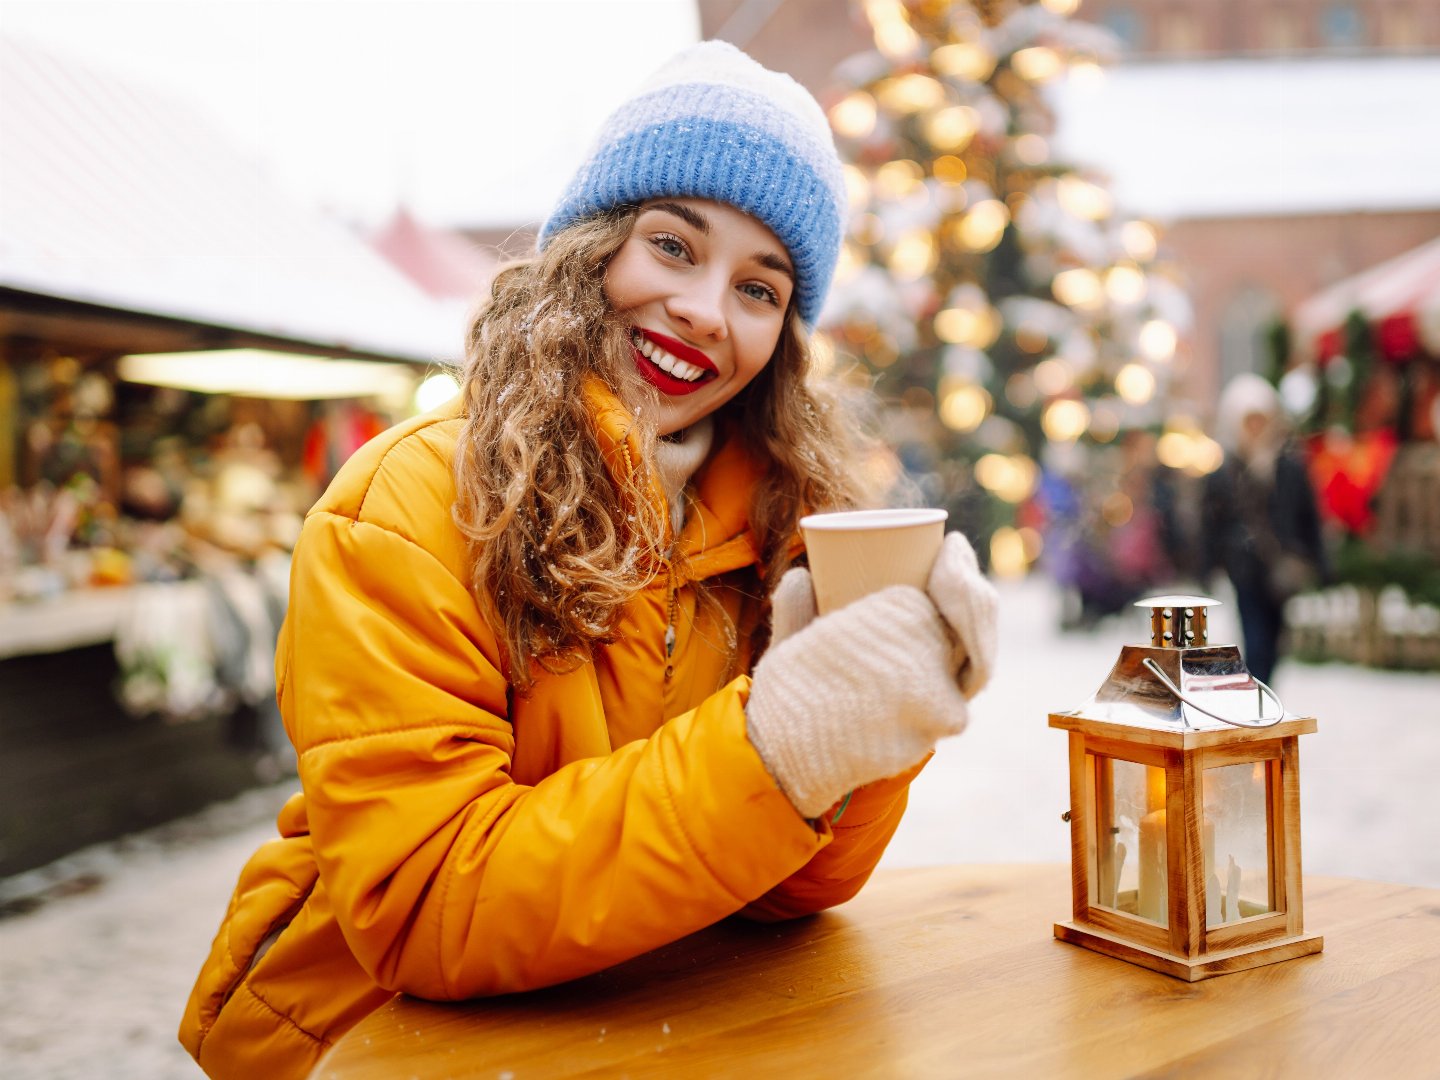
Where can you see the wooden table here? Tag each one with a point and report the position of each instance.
(948, 972)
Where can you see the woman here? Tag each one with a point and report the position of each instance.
(514, 664)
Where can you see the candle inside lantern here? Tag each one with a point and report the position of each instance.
(1152, 900)
(1153, 895)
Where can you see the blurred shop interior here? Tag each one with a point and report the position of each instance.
(172, 401)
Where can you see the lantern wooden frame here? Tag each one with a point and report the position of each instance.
(1185, 947)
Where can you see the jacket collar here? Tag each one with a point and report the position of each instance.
(717, 536)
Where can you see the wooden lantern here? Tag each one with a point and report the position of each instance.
(1185, 808)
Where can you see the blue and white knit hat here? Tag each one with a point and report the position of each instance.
(712, 123)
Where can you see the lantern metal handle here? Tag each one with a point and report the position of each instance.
(1263, 722)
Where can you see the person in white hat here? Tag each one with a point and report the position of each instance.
(1260, 521)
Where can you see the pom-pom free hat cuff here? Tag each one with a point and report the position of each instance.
(745, 136)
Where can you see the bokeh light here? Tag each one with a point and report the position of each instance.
(857, 187)
(952, 128)
(1125, 284)
(1139, 240)
(1157, 340)
(949, 169)
(896, 179)
(1082, 199)
(1012, 477)
(1032, 149)
(854, 115)
(893, 33)
(435, 390)
(910, 93)
(964, 60)
(1037, 63)
(1065, 420)
(1007, 553)
(1053, 377)
(1078, 287)
(983, 226)
(964, 406)
(1135, 384)
(913, 255)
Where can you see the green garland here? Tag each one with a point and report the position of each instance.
(1416, 574)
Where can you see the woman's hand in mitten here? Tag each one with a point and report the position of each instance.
(968, 602)
(792, 605)
(856, 695)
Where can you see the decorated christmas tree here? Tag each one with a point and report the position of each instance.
(1014, 321)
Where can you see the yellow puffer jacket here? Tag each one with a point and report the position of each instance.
(456, 840)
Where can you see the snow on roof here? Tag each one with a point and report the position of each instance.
(114, 195)
(1244, 137)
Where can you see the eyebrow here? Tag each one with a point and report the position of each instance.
(693, 218)
(698, 221)
(771, 261)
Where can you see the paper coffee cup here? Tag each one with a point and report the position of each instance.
(856, 552)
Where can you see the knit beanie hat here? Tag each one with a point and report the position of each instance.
(712, 123)
(1246, 393)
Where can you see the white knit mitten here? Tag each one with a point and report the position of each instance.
(969, 604)
(792, 605)
(865, 692)
(859, 694)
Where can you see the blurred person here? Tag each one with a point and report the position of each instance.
(1259, 522)
(540, 728)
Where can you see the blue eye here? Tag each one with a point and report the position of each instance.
(764, 293)
(671, 245)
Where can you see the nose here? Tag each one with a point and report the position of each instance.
(700, 307)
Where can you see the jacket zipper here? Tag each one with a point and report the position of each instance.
(672, 608)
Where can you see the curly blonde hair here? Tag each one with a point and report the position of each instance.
(560, 542)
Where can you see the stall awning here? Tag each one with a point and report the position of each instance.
(1399, 298)
(116, 197)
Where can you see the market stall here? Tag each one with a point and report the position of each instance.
(186, 357)
(1367, 375)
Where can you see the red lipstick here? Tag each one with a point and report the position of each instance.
(663, 380)
(680, 350)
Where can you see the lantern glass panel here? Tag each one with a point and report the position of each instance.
(1129, 873)
(1235, 835)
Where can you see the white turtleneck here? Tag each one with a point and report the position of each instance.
(677, 456)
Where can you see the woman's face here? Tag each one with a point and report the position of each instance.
(706, 288)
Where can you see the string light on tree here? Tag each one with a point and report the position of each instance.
(984, 274)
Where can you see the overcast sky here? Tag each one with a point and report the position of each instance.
(356, 104)
(476, 112)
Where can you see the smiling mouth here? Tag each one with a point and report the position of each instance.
(664, 370)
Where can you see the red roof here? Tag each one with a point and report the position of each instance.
(444, 263)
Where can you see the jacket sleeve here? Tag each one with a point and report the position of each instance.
(449, 879)
(840, 869)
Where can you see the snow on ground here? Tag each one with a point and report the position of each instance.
(92, 984)
(93, 979)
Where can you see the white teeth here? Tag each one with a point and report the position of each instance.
(679, 369)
